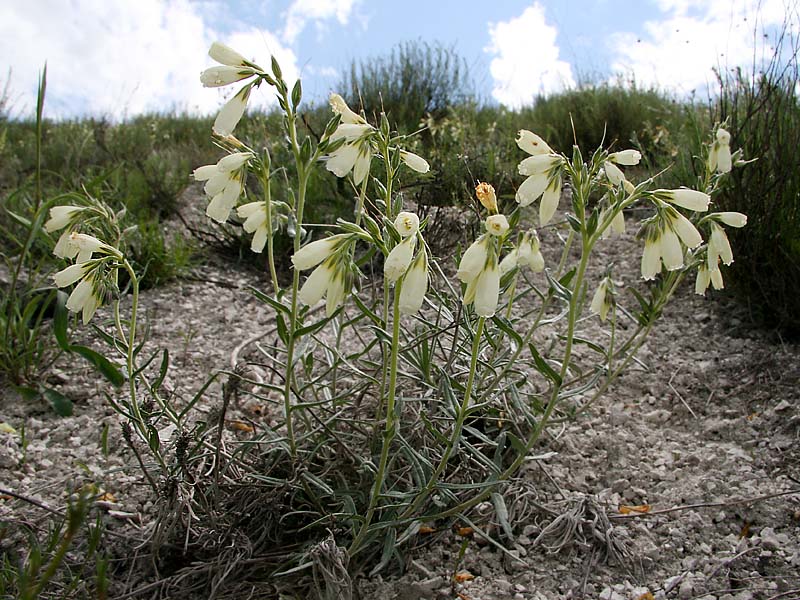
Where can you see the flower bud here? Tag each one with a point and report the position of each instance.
(626, 157)
(414, 162)
(486, 195)
(406, 224)
(225, 55)
(497, 225)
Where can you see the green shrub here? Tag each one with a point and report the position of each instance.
(617, 113)
(762, 112)
(415, 80)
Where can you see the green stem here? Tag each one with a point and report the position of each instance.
(390, 429)
(551, 404)
(270, 234)
(457, 427)
(302, 177)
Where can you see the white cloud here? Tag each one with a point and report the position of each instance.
(303, 11)
(526, 61)
(681, 50)
(118, 58)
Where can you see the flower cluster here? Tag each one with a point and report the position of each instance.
(328, 280)
(233, 67)
(479, 268)
(224, 183)
(354, 154)
(527, 253)
(664, 233)
(400, 263)
(719, 248)
(543, 172)
(86, 270)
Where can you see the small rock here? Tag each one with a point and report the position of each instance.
(685, 590)
(783, 405)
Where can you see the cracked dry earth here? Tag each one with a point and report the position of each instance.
(702, 434)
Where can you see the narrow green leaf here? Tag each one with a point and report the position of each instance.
(271, 301)
(107, 368)
(543, 367)
(60, 403)
(162, 371)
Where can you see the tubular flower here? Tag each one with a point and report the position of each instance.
(68, 276)
(550, 198)
(232, 112)
(685, 229)
(685, 198)
(532, 143)
(663, 242)
(529, 252)
(485, 291)
(399, 259)
(651, 258)
(719, 157)
(474, 259)
(406, 224)
(85, 298)
(61, 216)
(628, 158)
(617, 224)
(414, 162)
(326, 281)
(731, 219)
(224, 183)
(255, 216)
(314, 253)
(81, 246)
(224, 75)
(706, 277)
(718, 248)
(526, 254)
(415, 285)
(509, 262)
(603, 298)
(339, 106)
(225, 55)
(487, 197)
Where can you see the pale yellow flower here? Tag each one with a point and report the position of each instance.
(532, 143)
(415, 285)
(398, 260)
(61, 216)
(415, 162)
(602, 299)
(719, 157)
(314, 253)
(406, 224)
(497, 225)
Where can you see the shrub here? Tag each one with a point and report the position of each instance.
(416, 79)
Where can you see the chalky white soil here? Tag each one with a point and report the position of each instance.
(705, 432)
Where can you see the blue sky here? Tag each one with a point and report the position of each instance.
(119, 58)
